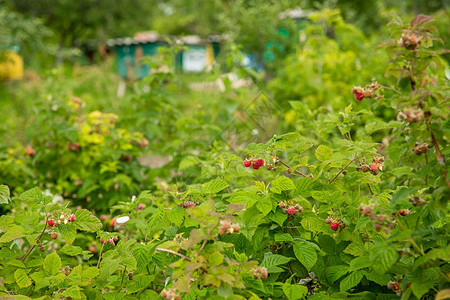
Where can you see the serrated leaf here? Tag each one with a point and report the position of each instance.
(175, 215)
(73, 292)
(90, 273)
(14, 232)
(323, 153)
(333, 273)
(22, 278)
(294, 291)
(383, 257)
(314, 224)
(356, 249)
(139, 283)
(360, 263)
(278, 217)
(34, 194)
(4, 194)
(281, 184)
(68, 232)
(247, 198)
(379, 125)
(108, 266)
(350, 281)
(71, 250)
(214, 186)
(52, 263)
(129, 262)
(142, 255)
(86, 221)
(264, 205)
(306, 254)
(274, 260)
(283, 237)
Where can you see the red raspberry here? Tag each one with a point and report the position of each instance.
(373, 167)
(72, 218)
(92, 249)
(191, 204)
(291, 210)
(111, 241)
(334, 226)
(51, 222)
(140, 206)
(102, 240)
(103, 217)
(359, 96)
(247, 163)
(113, 222)
(255, 166)
(259, 162)
(54, 236)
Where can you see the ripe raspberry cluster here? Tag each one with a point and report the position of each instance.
(111, 240)
(395, 286)
(187, 204)
(420, 148)
(365, 92)
(259, 273)
(255, 163)
(411, 115)
(170, 294)
(335, 223)
(376, 165)
(226, 227)
(63, 219)
(291, 209)
(73, 146)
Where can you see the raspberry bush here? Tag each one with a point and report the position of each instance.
(356, 210)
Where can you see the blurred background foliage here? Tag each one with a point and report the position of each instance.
(313, 63)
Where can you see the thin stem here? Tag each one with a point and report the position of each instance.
(143, 235)
(123, 275)
(296, 171)
(370, 189)
(343, 169)
(38, 239)
(100, 255)
(174, 253)
(206, 240)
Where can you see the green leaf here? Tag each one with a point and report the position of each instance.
(333, 273)
(90, 273)
(264, 205)
(108, 266)
(306, 254)
(175, 215)
(278, 217)
(73, 292)
(34, 194)
(402, 193)
(274, 260)
(323, 153)
(40, 279)
(294, 291)
(22, 278)
(68, 232)
(383, 257)
(142, 255)
(281, 184)
(356, 249)
(4, 194)
(350, 281)
(283, 237)
(215, 186)
(71, 250)
(52, 263)
(129, 262)
(360, 263)
(86, 221)
(378, 125)
(14, 232)
(314, 224)
(139, 283)
(247, 198)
